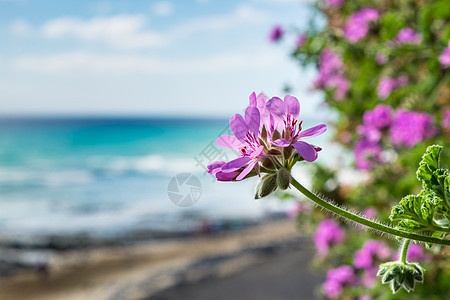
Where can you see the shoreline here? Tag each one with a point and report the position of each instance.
(143, 269)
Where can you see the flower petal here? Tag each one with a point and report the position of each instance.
(313, 131)
(252, 100)
(239, 127)
(257, 152)
(221, 176)
(306, 151)
(277, 108)
(261, 100)
(293, 106)
(235, 164)
(247, 170)
(252, 119)
(215, 167)
(281, 143)
(229, 141)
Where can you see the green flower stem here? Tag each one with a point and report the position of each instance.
(355, 218)
(405, 250)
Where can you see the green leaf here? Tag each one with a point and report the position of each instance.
(428, 166)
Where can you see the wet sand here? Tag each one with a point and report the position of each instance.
(269, 261)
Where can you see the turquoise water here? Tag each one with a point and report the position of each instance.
(103, 176)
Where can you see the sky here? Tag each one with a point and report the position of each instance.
(147, 58)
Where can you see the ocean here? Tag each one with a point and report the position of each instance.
(109, 176)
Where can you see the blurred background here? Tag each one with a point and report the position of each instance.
(101, 104)
(109, 113)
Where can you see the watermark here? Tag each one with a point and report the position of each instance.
(184, 189)
(213, 152)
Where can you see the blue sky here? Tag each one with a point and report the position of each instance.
(160, 58)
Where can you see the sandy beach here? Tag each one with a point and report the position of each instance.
(268, 261)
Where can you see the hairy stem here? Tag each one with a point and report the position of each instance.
(405, 250)
(358, 219)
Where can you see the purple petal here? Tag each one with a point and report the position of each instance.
(221, 176)
(257, 152)
(247, 170)
(313, 131)
(215, 167)
(229, 141)
(293, 106)
(235, 164)
(239, 127)
(281, 143)
(277, 108)
(261, 100)
(252, 119)
(305, 150)
(252, 100)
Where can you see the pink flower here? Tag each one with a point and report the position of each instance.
(411, 127)
(366, 154)
(445, 123)
(276, 118)
(381, 59)
(370, 251)
(388, 84)
(407, 35)
(331, 74)
(444, 58)
(285, 119)
(276, 34)
(416, 253)
(357, 25)
(380, 117)
(337, 279)
(328, 234)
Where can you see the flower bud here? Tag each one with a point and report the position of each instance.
(267, 186)
(287, 152)
(276, 135)
(264, 133)
(283, 178)
(268, 164)
(400, 274)
(274, 151)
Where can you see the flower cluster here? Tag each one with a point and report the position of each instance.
(269, 137)
(368, 149)
(331, 74)
(337, 280)
(388, 84)
(404, 128)
(415, 253)
(276, 34)
(444, 58)
(367, 259)
(409, 128)
(407, 35)
(445, 123)
(357, 25)
(328, 233)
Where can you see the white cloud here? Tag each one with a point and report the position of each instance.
(163, 8)
(243, 14)
(121, 31)
(87, 63)
(132, 32)
(20, 27)
(283, 1)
